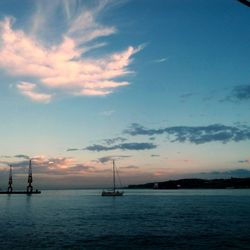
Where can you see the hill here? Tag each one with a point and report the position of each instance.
(197, 183)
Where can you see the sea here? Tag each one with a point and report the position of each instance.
(141, 219)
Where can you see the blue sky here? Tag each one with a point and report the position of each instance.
(162, 87)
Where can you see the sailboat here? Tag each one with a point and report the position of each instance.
(114, 191)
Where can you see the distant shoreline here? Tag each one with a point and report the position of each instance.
(195, 183)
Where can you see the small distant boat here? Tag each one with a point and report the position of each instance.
(114, 191)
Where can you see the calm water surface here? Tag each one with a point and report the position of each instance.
(153, 219)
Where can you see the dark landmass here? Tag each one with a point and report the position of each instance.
(197, 184)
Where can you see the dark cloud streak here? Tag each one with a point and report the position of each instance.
(130, 167)
(243, 161)
(239, 93)
(72, 149)
(122, 146)
(111, 157)
(242, 92)
(153, 155)
(114, 140)
(196, 134)
(22, 156)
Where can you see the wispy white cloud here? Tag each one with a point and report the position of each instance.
(108, 112)
(161, 60)
(63, 67)
(28, 89)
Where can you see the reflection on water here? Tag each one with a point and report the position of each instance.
(153, 219)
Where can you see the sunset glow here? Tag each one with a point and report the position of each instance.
(87, 82)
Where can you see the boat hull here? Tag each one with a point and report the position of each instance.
(112, 193)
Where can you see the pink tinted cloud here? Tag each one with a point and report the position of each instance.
(28, 89)
(63, 67)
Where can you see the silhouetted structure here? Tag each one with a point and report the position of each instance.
(30, 187)
(245, 2)
(10, 189)
(198, 183)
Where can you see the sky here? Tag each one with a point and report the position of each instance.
(161, 87)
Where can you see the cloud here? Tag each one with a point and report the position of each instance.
(6, 156)
(195, 134)
(238, 94)
(108, 142)
(153, 155)
(161, 60)
(241, 93)
(244, 161)
(22, 156)
(186, 96)
(51, 166)
(73, 149)
(114, 140)
(112, 157)
(62, 66)
(240, 173)
(80, 168)
(122, 146)
(108, 112)
(129, 167)
(28, 89)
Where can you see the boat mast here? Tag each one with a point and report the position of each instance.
(114, 174)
